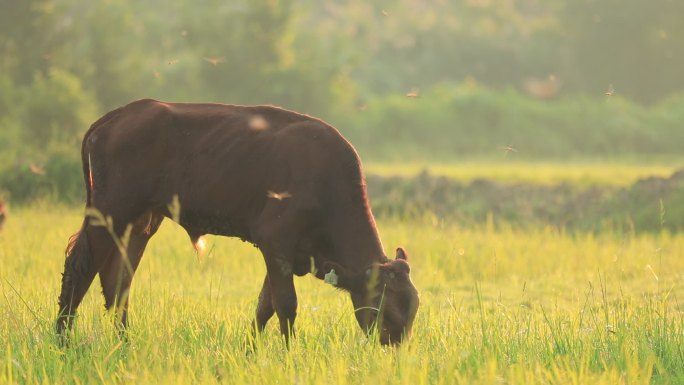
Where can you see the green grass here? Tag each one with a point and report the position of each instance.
(511, 171)
(498, 305)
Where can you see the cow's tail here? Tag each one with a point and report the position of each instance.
(87, 164)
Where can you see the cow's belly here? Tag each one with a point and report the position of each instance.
(201, 222)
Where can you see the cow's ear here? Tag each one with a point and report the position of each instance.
(401, 254)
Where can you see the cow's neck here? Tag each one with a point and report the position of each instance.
(355, 240)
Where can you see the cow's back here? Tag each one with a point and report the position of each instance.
(224, 162)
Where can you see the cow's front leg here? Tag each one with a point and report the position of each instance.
(280, 227)
(264, 310)
(283, 295)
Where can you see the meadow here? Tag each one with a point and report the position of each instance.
(498, 305)
(508, 169)
(540, 194)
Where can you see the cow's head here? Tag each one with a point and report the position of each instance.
(384, 298)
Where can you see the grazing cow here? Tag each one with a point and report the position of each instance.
(288, 183)
(3, 214)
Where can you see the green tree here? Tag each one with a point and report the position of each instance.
(246, 54)
(27, 34)
(55, 109)
(633, 44)
(109, 50)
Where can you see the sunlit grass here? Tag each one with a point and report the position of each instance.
(498, 305)
(611, 174)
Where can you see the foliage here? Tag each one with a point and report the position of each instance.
(292, 52)
(55, 110)
(585, 44)
(27, 34)
(58, 180)
(649, 204)
(469, 121)
(526, 74)
(40, 137)
(628, 43)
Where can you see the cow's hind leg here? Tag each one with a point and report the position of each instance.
(117, 273)
(87, 252)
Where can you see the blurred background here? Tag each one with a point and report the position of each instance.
(563, 112)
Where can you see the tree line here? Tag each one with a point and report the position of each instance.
(461, 76)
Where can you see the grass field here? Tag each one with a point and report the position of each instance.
(498, 306)
(590, 173)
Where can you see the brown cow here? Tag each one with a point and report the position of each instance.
(288, 183)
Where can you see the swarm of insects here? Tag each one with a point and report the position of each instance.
(413, 93)
(508, 149)
(213, 60)
(611, 90)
